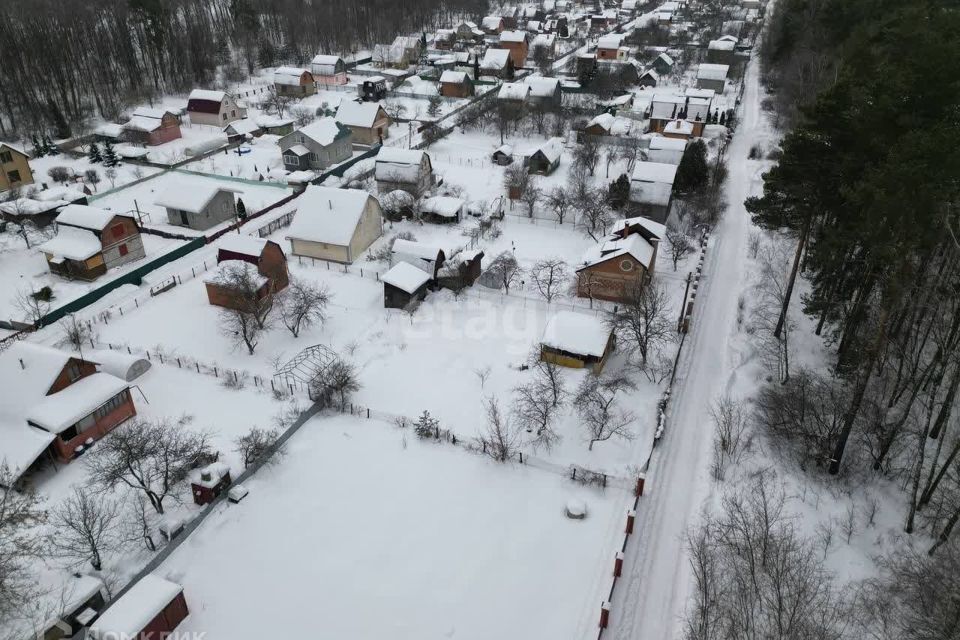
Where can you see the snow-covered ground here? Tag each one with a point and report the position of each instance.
(365, 532)
(25, 270)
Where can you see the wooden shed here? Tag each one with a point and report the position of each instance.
(209, 482)
(404, 285)
(576, 340)
(152, 608)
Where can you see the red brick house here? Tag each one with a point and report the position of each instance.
(55, 403)
(622, 263)
(516, 42)
(267, 268)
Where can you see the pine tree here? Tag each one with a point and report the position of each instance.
(433, 106)
(723, 118)
(619, 192)
(49, 148)
(110, 158)
(426, 426)
(38, 150)
(94, 156)
(241, 209)
(693, 171)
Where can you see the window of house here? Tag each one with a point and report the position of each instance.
(118, 231)
(85, 423)
(73, 371)
(626, 265)
(69, 434)
(6, 156)
(289, 159)
(224, 116)
(13, 176)
(124, 250)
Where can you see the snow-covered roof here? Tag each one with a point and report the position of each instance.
(610, 41)
(119, 363)
(513, 91)
(398, 165)
(443, 206)
(703, 94)
(611, 248)
(666, 105)
(513, 36)
(324, 59)
(453, 77)
(708, 71)
(654, 172)
(577, 333)
(109, 130)
(722, 45)
(544, 40)
(242, 126)
(551, 149)
(680, 127)
(14, 147)
(358, 114)
(72, 243)
(491, 22)
(242, 244)
(667, 144)
(132, 612)
(324, 131)
(228, 272)
(207, 94)
(419, 250)
(271, 121)
(541, 87)
(79, 215)
(145, 119)
(289, 76)
(327, 214)
(604, 121)
(63, 409)
(298, 150)
(665, 58)
(30, 206)
(495, 59)
(192, 197)
(655, 228)
(406, 277)
(28, 372)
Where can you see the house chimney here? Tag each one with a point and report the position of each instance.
(330, 204)
(22, 365)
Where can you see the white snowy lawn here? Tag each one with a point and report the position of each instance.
(366, 533)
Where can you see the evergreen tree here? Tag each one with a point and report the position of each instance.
(94, 155)
(49, 148)
(723, 118)
(619, 192)
(38, 150)
(110, 158)
(693, 172)
(433, 106)
(241, 209)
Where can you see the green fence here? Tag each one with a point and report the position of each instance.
(132, 277)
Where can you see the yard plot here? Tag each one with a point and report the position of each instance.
(194, 139)
(141, 198)
(358, 535)
(109, 178)
(24, 270)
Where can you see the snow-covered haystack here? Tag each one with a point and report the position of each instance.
(576, 509)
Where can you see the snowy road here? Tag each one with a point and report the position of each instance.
(650, 599)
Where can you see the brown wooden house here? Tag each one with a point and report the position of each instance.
(456, 84)
(517, 43)
(264, 259)
(294, 82)
(151, 127)
(622, 263)
(90, 241)
(575, 340)
(55, 403)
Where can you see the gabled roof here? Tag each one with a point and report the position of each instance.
(682, 127)
(443, 206)
(613, 248)
(324, 131)
(145, 119)
(453, 77)
(243, 244)
(133, 611)
(491, 22)
(399, 165)
(576, 333)
(15, 148)
(667, 144)
(654, 172)
(513, 91)
(551, 149)
(665, 58)
(325, 60)
(358, 114)
(192, 198)
(541, 87)
(205, 101)
(406, 277)
(57, 412)
(513, 36)
(495, 59)
(610, 41)
(421, 250)
(655, 229)
(93, 218)
(28, 372)
(72, 243)
(707, 71)
(327, 214)
(289, 76)
(242, 126)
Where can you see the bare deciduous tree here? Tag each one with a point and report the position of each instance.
(302, 304)
(642, 320)
(549, 276)
(680, 243)
(20, 512)
(560, 202)
(596, 404)
(338, 380)
(730, 439)
(254, 445)
(500, 439)
(535, 412)
(76, 333)
(149, 457)
(86, 527)
(32, 304)
(588, 153)
(594, 214)
(505, 271)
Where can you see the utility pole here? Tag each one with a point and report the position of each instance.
(683, 306)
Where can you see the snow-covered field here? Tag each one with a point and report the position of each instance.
(365, 532)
